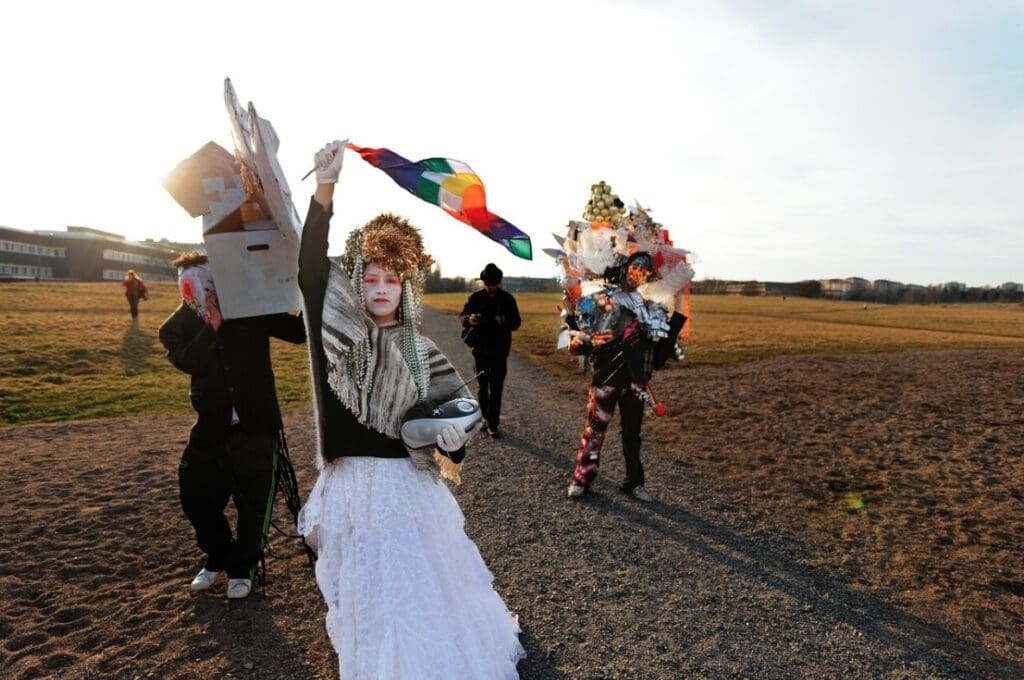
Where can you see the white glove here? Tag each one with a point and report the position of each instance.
(452, 438)
(328, 161)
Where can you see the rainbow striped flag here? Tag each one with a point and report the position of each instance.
(455, 188)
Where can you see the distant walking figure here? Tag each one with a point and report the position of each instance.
(134, 290)
(488, 319)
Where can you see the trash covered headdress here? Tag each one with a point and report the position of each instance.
(595, 257)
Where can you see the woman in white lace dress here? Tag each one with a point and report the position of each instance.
(407, 591)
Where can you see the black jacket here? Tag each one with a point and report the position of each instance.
(229, 367)
(491, 337)
(620, 362)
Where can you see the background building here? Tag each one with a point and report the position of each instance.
(83, 254)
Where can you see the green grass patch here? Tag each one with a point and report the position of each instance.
(70, 350)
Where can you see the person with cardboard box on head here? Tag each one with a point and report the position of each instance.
(235, 450)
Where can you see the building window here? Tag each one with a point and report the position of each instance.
(30, 249)
(23, 271)
(133, 258)
(118, 274)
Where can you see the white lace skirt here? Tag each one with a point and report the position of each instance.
(407, 592)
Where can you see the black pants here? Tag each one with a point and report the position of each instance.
(242, 470)
(133, 306)
(491, 383)
(601, 405)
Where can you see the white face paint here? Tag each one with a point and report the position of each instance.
(382, 292)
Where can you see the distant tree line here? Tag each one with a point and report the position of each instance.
(942, 293)
(435, 283)
(721, 287)
(858, 289)
(863, 290)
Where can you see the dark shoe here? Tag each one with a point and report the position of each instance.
(494, 434)
(640, 494)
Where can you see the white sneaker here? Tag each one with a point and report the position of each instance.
(576, 490)
(641, 494)
(239, 588)
(203, 580)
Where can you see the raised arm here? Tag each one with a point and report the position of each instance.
(313, 264)
(328, 162)
(324, 195)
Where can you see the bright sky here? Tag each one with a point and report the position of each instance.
(819, 138)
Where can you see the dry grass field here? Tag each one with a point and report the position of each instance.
(70, 351)
(733, 329)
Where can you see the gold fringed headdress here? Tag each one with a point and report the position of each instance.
(391, 242)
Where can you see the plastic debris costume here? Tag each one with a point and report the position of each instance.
(625, 312)
(407, 592)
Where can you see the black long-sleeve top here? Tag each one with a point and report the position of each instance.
(492, 338)
(341, 434)
(229, 368)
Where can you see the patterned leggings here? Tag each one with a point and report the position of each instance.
(600, 407)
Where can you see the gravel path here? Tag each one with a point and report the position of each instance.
(612, 588)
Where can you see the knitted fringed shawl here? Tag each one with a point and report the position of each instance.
(360, 353)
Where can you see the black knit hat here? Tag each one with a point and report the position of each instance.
(491, 275)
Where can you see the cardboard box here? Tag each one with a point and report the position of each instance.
(250, 227)
(255, 271)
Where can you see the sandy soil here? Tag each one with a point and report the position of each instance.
(858, 515)
(904, 474)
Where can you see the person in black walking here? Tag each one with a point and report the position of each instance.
(488, 319)
(235, 449)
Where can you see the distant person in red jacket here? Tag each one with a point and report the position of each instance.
(134, 290)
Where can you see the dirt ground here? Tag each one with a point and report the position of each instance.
(904, 474)
(815, 515)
